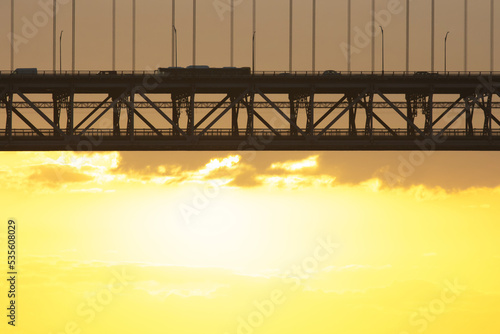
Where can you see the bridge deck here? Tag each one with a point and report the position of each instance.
(324, 111)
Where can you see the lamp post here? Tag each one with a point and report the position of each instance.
(173, 33)
(175, 46)
(254, 25)
(290, 43)
(60, 52)
(253, 53)
(12, 26)
(54, 35)
(383, 51)
(446, 51)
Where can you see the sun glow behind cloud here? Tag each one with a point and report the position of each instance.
(241, 236)
(294, 166)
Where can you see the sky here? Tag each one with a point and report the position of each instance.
(33, 26)
(252, 242)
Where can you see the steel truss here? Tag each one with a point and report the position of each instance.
(301, 123)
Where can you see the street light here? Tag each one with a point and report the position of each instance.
(60, 52)
(175, 45)
(383, 54)
(253, 52)
(445, 51)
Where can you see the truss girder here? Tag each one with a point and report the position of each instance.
(310, 119)
(257, 105)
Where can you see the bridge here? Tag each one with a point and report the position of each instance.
(138, 111)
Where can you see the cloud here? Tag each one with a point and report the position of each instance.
(356, 267)
(104, 172)
(54, 175)
(295, 166)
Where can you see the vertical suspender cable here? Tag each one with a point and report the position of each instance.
(194, 32)
(73, 48)
(232, 34)
(466, 19)
(349, 35)
(113, 52)
(12, 42)
(314, 37)
(290, 43)
(134, 8)
(407, 35)
(373, 35)
(492, 36)
(433, 32)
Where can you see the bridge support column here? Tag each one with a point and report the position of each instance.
(487, 130)
(423, 102)
(57, 112)
(353, 131)
(180, 101)
(429, 117)
(250, 105)
(9, 108)
(411, 113)
(369, 114)
(70, 114)
(117, 109)
(60, 101)
(310, 116)
(130, 117)
(234, 117)
(295, 101)
(294, 112)
(469, 115)
(190, 115)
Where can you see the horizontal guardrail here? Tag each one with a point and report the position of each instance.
(326, 73)
(242, 132)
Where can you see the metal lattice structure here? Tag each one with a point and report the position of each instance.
(262, 111)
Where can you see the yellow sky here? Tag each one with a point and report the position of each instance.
(220, 245)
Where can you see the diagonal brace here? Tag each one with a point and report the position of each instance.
(281, 112)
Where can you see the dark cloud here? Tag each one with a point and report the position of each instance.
(55, 175)
(447, 170)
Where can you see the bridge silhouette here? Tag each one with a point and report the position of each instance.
(103, 111)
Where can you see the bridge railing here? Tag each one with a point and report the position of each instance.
(27, 133)
(284, 74)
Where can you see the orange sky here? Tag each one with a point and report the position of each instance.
(154, 34)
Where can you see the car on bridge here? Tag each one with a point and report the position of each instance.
(26, 71)
(203, 70)
(108, 73)
(424, 74)
(331, 73)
